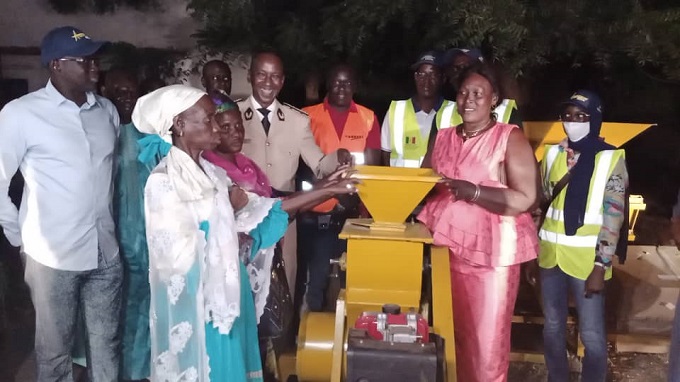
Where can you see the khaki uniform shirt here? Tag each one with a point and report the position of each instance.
(290, 137)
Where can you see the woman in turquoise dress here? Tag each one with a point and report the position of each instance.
(203, 320)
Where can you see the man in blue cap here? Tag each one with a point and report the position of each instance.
(62, 139)
(585, 181)
(407, 126)
(454, 62)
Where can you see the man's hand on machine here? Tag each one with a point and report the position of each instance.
(339, 182)
(345, 158)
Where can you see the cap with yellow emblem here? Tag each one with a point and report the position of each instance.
(67, 42)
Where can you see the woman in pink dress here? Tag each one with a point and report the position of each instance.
(480, 211)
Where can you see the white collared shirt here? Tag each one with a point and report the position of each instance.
(271, 108)
(65, 153)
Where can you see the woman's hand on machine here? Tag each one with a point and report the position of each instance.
(342, 172)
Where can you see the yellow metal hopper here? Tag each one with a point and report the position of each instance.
(390, 193)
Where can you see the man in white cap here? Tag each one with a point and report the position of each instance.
(62, 139)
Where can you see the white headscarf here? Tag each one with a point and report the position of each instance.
(154, 112)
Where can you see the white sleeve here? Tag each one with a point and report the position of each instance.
(12, 150)
(385, 138)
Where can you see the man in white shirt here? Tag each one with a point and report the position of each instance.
(407, 125)
(62, 139)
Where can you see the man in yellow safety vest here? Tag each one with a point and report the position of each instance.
(408, 123)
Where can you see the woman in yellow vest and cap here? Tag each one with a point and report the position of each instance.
(585, 180)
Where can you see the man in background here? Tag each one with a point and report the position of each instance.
(216, 79)
(337, 122)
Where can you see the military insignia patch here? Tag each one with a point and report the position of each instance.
(248, 114)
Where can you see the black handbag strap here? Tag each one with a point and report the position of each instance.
(559, 186)
(539, 217)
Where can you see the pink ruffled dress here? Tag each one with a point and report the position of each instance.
(486, 250)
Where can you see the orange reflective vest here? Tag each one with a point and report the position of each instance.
(354, 135)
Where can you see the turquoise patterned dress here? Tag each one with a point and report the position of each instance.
(128, 206)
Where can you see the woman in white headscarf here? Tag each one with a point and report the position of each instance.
(203, 316)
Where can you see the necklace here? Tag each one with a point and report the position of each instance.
(472, 134)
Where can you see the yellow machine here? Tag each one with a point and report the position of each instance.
(384, 260)
(384, 264)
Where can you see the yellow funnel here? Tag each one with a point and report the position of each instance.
(541, 133)
(391, 193)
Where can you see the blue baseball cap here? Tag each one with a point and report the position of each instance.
(586, 100)
(67, 41)
(430, 57)
(473, 53)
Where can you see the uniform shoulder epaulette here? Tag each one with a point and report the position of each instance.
(295, 108)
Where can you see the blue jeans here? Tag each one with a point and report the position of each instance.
(58, 297)
(674, 355)
(555, 285)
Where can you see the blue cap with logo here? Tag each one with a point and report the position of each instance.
(67, 42)
(591, 103)
(473, 53)
(586, 100)
(431, 57)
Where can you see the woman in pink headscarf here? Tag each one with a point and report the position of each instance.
(480, 211)
(249, 177)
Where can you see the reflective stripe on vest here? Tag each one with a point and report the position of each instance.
(446, 117)
(398, 113)
(450, 113)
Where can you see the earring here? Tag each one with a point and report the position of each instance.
(181, 133)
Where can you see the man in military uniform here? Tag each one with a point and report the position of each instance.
(277, 135)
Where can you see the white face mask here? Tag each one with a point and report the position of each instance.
(576, 130)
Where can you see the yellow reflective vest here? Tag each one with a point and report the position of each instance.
(408, 144)
(575, 255)
(448, 115)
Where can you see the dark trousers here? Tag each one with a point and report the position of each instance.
(318, 243)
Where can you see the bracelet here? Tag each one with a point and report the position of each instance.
(476, 195)
(601, 265)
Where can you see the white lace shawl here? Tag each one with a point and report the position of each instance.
(193, 280)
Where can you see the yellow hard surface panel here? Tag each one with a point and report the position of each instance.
(381, 272)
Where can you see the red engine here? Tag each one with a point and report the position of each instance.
(393, 326)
